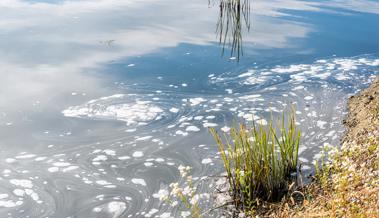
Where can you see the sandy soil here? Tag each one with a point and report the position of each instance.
(363, 113)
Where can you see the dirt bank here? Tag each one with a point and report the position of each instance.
(346, 183)
(363, 113)
(348, 186)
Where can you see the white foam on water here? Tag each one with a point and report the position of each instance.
(25, 156)
(339, 68)
(10, 160)
(206, 125)
(96, 151)
(53, 169)
(180, 132)
(321, 124)
(159, 160)
(148, 164)
(131, 130)
(298, 78)
(32, 194)
(70, 168)
(192, 129)
(247, 74)
(196, 101)
(303, 160)
(103, 182)
(6, 172)
(100, 158)
(331, 133)
(97, 209)
(138, 181)
(342, 76)
(298, 88)
(22, 183)
(40, 158)
(262, 122)
(174, 110)
(252, 98)
(305, 167)
(206, 161)
(258, 79)
(137, 154)
(323, 76)
(152, 212)
(165, 215)
(198, 117)
(144, 138)
(226, 99)
(19, 192)
(61, 164)
(131, 113)
(110, 97)
(290, 69)
(109, 152)
(124, 158)
(10, 203)
(116, 208)
(161, 193)
(225, 129)
(250, 117)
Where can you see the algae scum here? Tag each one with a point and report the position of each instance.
(101, 101)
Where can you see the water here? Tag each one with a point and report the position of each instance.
(101, 101)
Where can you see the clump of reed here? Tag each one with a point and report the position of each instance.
(260, 162)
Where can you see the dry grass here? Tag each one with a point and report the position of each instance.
(348, 185)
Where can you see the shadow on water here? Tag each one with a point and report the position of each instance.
(234, 17)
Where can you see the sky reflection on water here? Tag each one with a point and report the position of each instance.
(62, 62)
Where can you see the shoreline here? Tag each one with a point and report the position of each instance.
(348, 184)
(345, 184)
(363, 111)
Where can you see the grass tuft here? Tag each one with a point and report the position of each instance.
(260, 162)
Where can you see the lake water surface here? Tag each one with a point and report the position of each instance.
(102, 100)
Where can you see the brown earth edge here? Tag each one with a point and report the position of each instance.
(347, 183)
(348, 186)
(363, 113)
